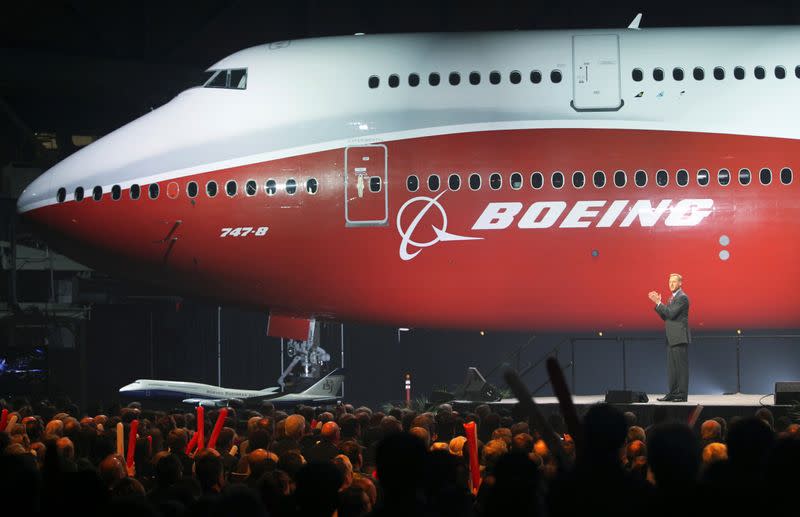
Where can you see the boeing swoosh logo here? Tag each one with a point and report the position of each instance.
(442, 234)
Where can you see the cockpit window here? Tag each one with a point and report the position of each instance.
(219, 81)
(239, 79)
(208, 74)
(235, 79)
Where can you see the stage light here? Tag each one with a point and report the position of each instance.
(739, 331)
(600, 333)
(483, 333)
(403, 329)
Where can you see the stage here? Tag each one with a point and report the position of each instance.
(727, 406)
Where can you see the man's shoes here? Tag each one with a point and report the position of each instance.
(665, 398)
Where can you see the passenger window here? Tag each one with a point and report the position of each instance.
(738, 73)
(374, 81)
(455, 78)
(495, 77)
(271, 187)
(239, 79)
(786, 176)
(97, 193)
(599, 179)
(557, 180)
(250, 188)
(153, 191)
(662, 178)
(515, 77)
(723, 177)
(79, 194)
(413, 80)
(134, 192)
(536, 77)
(555, 76)
(765, 176)
(433, 183)
(475, 181)
(454, 182)
(637, 74)
(702, 177)
(682, 178)
(375, 184)
(744, 176)
(640, 178)
(412, 183)
(516, 181)
(394, 81)
(578, 179)
(231, 188)
(759, 72)
(677, 73)
(719, 73)
(61, 195)
(620, 179)
(658, 74)
(116, 192)
(537, 180)
(191, 189)
(312, 186)
(474, 78)
(495, 181)
(698, 73)
(434, 79)
(211, 188)
(291, 186)
(780, 72)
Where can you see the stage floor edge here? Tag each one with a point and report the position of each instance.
(726, 406)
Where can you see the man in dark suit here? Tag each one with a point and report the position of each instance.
(676, 320)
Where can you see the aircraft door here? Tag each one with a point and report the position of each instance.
(366, 197)
(596, 73)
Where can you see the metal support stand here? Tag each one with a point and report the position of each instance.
(624, 365)
(572, 363)
(219, 345)
(341, 341)
(738, 363)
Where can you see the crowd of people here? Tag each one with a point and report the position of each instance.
(350, 461)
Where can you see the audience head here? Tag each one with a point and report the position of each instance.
(673, 455)
(714, 452)
(295, 427)
(710, 431)
(422, 434)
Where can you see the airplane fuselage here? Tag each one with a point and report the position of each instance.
(525, 180)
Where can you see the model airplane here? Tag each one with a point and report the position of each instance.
(503, 180)
(327, 389)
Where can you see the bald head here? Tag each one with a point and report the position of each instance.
(112, 469)
(330, 432)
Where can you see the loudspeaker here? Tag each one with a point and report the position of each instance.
(787, 393)
(625, 397)
(477, 389)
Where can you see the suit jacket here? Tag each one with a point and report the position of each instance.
(676, 319)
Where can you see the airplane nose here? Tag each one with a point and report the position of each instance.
(35, 196)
